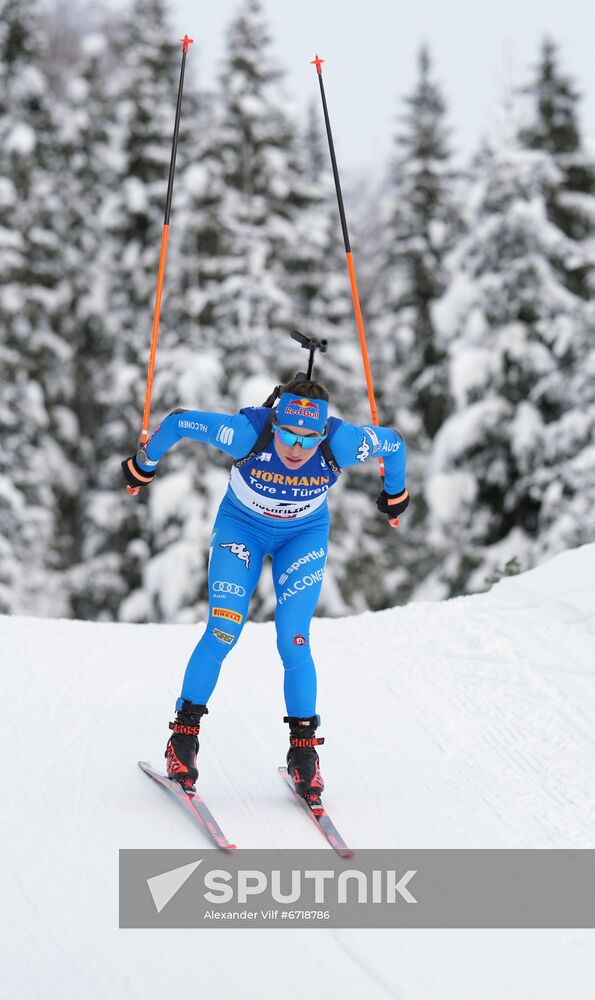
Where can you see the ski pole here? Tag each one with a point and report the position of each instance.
(350, 265)
(186, 43)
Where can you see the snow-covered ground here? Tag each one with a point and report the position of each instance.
(463, 724)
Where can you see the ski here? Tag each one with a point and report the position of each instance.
(321, 818)
(194, 804)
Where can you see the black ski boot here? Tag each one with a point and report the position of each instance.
(302, 760)
(182, 747)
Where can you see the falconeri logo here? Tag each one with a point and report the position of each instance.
(309, 580)
(193, 425)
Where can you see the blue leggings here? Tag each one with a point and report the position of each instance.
(238, 546)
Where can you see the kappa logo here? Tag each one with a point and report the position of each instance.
(238, 549)
(225, 434)
(225, 587)
(232, 616)
(363, 452)
(223, 636)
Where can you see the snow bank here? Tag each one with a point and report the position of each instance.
(476, 730)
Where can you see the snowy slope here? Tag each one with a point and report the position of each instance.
(475, 729)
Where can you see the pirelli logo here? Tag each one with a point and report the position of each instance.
(232, 616)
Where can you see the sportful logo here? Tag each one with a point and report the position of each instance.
(363, 452)
(313, 554)
(225, 587)
(225, 434)
(238, 549)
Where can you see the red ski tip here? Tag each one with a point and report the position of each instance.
(186, 42)
(318, 63)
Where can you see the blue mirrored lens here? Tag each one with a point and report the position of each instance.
(290, 439)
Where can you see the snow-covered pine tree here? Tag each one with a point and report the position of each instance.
(420, 222)
(35, 388)
(182, 500)
(509, 322)
(92, 172)
(250, 156)
(144, 82)
(552, 125)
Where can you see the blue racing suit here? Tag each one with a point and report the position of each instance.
(269, 509)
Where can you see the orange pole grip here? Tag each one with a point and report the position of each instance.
(155, 334)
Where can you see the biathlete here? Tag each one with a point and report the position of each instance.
(286, 459)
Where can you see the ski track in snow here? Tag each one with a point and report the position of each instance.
(462, 724)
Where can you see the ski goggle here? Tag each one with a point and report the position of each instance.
(289, 438)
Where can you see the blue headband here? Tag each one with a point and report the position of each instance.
(299, 411)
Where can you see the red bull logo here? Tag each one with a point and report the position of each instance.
(303, 408)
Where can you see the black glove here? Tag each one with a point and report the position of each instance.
(133, 474)
(393, 504)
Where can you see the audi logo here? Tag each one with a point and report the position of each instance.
(224, 587)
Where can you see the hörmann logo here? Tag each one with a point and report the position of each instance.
(313, 554)
(276, 477)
